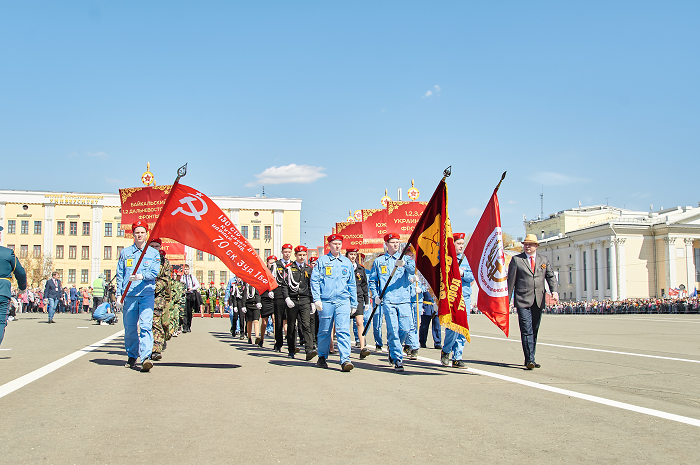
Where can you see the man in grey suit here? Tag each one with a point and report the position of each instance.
(527, 273)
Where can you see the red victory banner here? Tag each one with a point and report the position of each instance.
(436, 259)
(142, 203)
(352, 234)
(402, 217)
(326, 246)
(488, 263)
(373, 225)
(174, 251)
(193, 219)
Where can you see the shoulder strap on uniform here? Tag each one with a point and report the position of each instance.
(14, 265)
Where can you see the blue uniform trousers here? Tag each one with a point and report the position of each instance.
(4, 304)
(138, 326)
(107, 317)
(454, 342)
(425, 321)
(376, 326)
(52, 305)
(398, 324)
(338, 312)
(412, 337)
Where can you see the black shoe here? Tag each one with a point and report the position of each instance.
(130, 363)
(378, 348)
(459, 364)
(398, 366)
(250, 341)
(437, 346)
(278, 349)
(146, 366)
(444, 358)
(156, 356)
(321, 362)
(258, 341)
(260, 344)
(530, 365)
(407, 349)
(537, 365)
(347, 366)
(364, 353)
(423, 346)
(311, 355)
(413, 355)
(391, 360)
(291, 355)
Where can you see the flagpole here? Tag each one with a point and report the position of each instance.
(445, 174)
(182, 171)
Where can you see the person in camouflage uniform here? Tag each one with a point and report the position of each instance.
(161, 313)
(211, 294)
(177, 292)
(222, 299)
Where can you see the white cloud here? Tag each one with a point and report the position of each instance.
(428, 94)
(473, 211)
(551, 178)
(288, 174)
(437, 88)
(101, 155)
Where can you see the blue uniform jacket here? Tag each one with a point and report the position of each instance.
(233, 280)
(428, 306)
(333, 280)
(399, 290)
(10, 265)
(149, 268)
(467, 277)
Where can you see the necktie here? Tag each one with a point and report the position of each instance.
(532, 263)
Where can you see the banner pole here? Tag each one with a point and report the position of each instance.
(182, 171)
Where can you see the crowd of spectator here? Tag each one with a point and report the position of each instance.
(610, 307)
(73, 300)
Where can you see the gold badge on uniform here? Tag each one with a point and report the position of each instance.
(383, 269)
(129, 262)
(329, 270)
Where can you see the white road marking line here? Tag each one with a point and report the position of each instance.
(22, 381)
(578, 395)
(82, 327)
(5, 349)
(593, 350)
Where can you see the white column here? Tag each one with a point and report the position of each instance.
(48, 228)
(622, 269)
(590, 271)
(579, 272)
(233, 214)
(613, 268)
(671, 279)
(278, 218)
(689, 265)
(2, 222)
(189, 258)
(601, 270)
(96, 242)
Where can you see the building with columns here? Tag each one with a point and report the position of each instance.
(613, 253)
(81, 232)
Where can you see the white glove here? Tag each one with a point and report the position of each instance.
(258, 305)
(289, 302)
(399, 263)
(377, 300)
(352, 312)
(119, 299)
(271, 295)
(244, 309)
(136, 277)
(318, 305)
(367, 303)
(412, 279)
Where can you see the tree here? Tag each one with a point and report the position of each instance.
(38, 268)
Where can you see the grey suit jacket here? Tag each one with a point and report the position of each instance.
(526, 287)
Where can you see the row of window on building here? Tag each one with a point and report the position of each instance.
(60, 251)
(256, 232)
(84, 276)
(61, 228)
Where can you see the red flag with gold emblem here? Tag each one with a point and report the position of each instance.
(436, 259)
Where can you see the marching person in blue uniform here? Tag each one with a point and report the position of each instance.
(454, 342)
(334, 296)
(429, 315)
(412, 344)
(139, 300)
(231, 302)
(9, 265)
(396, 303)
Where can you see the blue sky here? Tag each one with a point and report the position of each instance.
(586, 100)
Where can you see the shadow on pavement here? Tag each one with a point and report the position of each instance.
(113, 362)
(494, 364)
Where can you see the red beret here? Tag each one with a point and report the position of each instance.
(354, 249)
(334, 237)
(390, 236)
(222, 283)
(271, 257)
(139, 224)
(458, 236)
(287, 246)
(313, 259)
(156, 240)
(212, 282)
(162, 252)
(300, 248)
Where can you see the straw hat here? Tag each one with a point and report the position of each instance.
(531, 239)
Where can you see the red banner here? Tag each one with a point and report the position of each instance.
(174, 251)
(192, 218)
(326, 247)
(373, 225)
(402, 217)
(488, 263)
(142, 203)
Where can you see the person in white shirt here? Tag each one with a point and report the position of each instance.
(192, 298)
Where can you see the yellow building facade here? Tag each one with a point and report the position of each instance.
(82, 236)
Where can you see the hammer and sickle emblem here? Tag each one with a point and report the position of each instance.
(192, 210)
